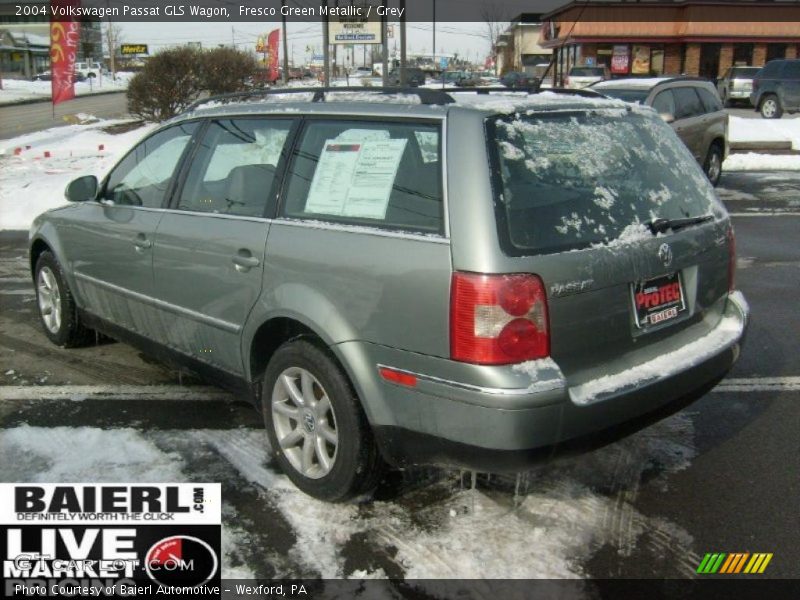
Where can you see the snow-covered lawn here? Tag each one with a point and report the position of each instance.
(15, 90)
(764, 130)
(31, 182)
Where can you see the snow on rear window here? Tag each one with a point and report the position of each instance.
(576, 179)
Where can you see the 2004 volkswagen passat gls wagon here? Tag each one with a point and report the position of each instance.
(426, 279)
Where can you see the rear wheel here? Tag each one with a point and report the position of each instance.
(316, 426)
(57, 309)
(713, 164)
(771, 107)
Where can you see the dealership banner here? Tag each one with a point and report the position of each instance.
(272, 54)
(129, 540)
(65, 32)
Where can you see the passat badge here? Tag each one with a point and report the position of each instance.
(665, 254)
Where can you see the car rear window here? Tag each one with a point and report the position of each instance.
(369, 173)
(570, 180)
(587, 71)
(744, 72)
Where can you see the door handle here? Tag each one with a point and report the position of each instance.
(244, 260)
(141, 242)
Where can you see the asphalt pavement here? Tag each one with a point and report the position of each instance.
(17, 119)
(720, 476)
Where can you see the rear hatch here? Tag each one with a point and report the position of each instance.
(610, 209)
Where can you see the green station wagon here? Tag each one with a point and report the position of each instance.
(408, 278)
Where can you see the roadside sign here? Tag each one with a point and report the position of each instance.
(590, 61)
(443, 62)
(128, 49)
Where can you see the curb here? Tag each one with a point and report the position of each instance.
(775, 147)
(40, 100)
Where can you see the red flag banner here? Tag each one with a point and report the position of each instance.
(64, 38)
(272, 54)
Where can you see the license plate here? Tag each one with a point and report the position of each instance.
(658, 300)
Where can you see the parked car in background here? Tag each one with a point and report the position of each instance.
(736, 85)
(459, 78)
(691, 106)
(581, 77)
(362, 72)
(43, 76)
(518, 79)
(89, 70)
(578, 274)
(776, 88)
(414, 77)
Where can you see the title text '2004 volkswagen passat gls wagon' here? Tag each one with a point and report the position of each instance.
(429, 278)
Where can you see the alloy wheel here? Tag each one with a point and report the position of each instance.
(49, 299)
(304, 421)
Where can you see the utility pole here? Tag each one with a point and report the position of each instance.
(434, 33)
(385, 52)
(285, 45)
(233, 39)
(403, 74)
(326, 56)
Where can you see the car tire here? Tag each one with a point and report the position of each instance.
(58, 312)
(771, 107)
(713, 164)
(326, 448)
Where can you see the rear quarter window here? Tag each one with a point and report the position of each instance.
(376, 174)
(566, 181)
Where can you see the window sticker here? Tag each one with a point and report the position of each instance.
(355, 179)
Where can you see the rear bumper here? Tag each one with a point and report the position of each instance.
(443, 421)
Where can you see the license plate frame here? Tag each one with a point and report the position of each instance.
(660, 302)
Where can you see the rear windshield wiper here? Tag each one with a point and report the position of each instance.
(662, 225)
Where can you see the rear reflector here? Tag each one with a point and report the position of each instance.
(398, 377)
(498, 319)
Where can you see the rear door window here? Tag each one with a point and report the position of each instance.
(375, 174)
(792, 69)
(569, 181)
(711, 103)
(687, 103)
(664, 103)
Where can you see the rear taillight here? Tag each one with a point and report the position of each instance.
(498, 319)
(731, 260)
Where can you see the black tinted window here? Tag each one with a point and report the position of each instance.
(791, 69)
(711, 103)
(145, 174)
(664, 103)
(234, 168)
(384, 175)
(687, 103)
(771, 69)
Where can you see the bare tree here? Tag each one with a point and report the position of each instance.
(113, 35)
(496, 21)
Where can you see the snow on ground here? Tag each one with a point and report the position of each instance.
(752, 161)
(31, 183)
(560, 514)
(764, 130)
(15, 90)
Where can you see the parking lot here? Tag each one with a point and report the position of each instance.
(719, 476)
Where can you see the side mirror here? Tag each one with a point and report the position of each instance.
(82, 189)
(667, 117)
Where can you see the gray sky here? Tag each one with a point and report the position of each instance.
(469, 40)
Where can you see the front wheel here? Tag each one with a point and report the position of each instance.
(57, 309)
(771, 108)
(316, 426)
(713, 164)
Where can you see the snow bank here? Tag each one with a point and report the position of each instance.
(752, 161)
(31, 183)
(764, 130)
(15, 90)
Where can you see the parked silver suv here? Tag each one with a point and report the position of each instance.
(461, 280)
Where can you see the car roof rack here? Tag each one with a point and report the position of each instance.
(429, 96)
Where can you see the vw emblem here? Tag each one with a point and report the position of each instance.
(665, 254)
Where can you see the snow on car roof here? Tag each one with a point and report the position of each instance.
(631, 82)
(513, 101)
